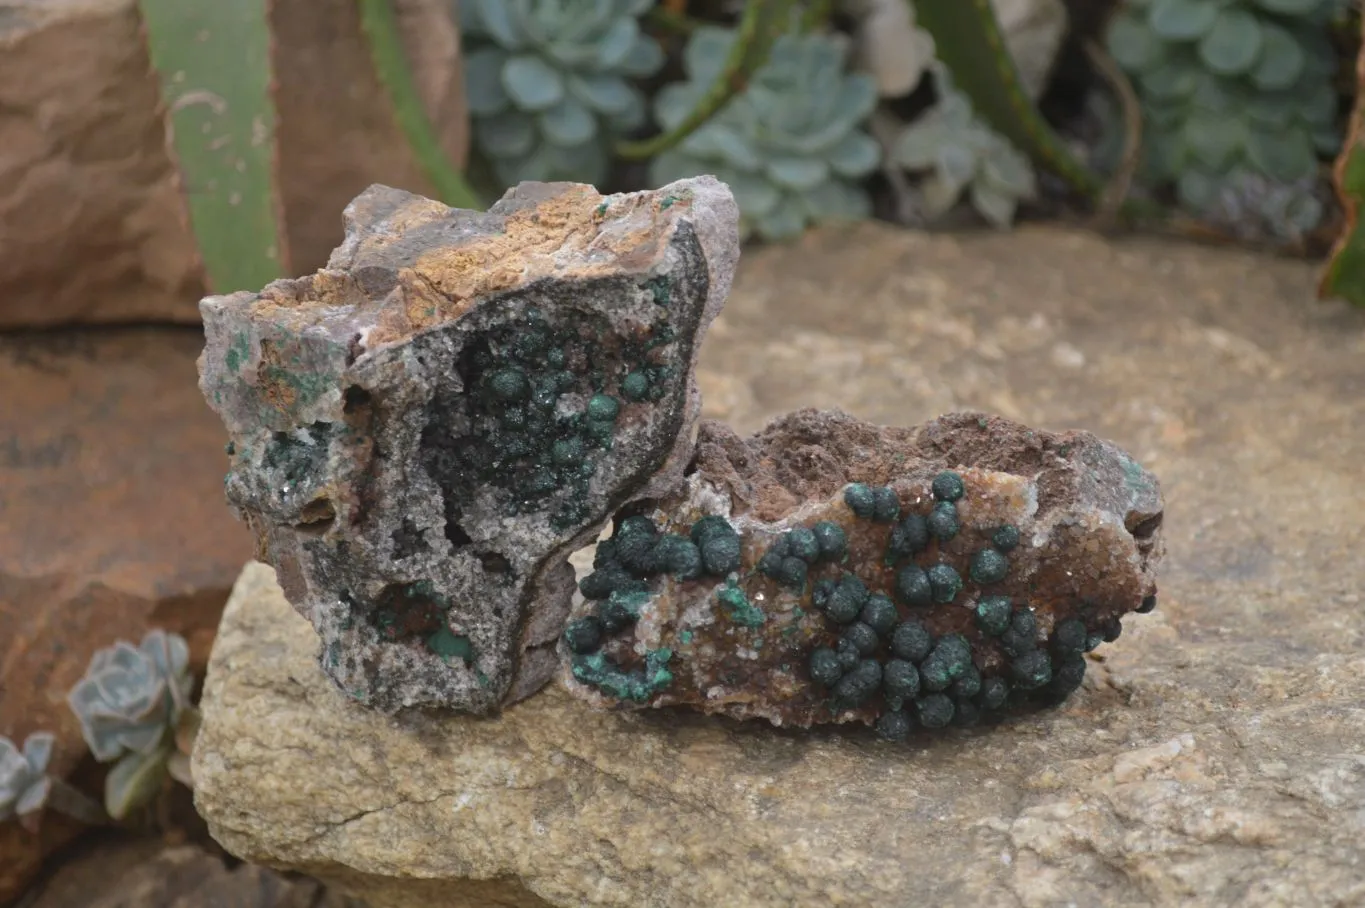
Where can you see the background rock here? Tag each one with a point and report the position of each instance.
(112, 521)
(92, 221)
(1214, 758)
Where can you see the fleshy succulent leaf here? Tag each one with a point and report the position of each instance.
(131, 697)
(134, 781)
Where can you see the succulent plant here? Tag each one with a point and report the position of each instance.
(963, 154)
(132, 696)
(791, 145)
(547, 82)
(24, 783)
(1234, 93)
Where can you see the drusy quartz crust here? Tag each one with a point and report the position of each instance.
(829, 570)
(423, 430)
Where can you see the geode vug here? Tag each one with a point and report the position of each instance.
(424, 429)
(830, 570)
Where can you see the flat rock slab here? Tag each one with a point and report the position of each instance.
(112, 522)
(1216, 756)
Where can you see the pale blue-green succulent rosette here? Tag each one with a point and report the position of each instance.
(131, 696)
(791, 146)
(549, 83)
(24, 783)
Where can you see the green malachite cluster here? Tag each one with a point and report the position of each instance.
(521, 437)
(884, 650)
(622, 567)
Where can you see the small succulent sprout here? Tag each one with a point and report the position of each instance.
(550, 82)
(948, 486)
(945, 583)
(1005, 538)
(963, 154)
(847, 600)
(860, 500)
(24, 782)
(1148, 605)
(901, 679)
(825, 666)
(893, 725)
(130, 696)
(912, 586)
(989, 566)
(886, 506)
(995, 691)
(802, 543)
(860, 685)
(949, 660)
(934, 710)
(1069, 636)
(1031, 669)
(911, 641)
(583, 635)
(942, 521)
(862, 638)
(603, 408)
(791, 145)
(832, 540)
(879, 613)
(1022, 634)
(909, 537)
(993, 614)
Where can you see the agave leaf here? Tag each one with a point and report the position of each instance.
(134, 781)
(996, 206)
(568, 123)
(532, 84)
(1281, 62)
(1182, 20)
(1233, 45)
(483, 81)
(213, 63)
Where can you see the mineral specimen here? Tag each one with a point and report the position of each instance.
(829, 570)
(422, 431)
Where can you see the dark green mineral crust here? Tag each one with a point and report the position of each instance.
(911, 603)
(424, 430)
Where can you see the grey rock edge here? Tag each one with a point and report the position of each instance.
(425, 429)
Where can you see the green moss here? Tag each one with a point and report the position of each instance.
(738, 607)
(989, 566)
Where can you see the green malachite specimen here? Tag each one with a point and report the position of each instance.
(916, 588)
(424, 430)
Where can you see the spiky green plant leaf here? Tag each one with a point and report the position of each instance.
(213, 63)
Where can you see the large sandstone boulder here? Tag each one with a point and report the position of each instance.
(93, 222)
(1213, 756)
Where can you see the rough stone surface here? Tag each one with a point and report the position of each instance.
(92, 220)
(1213, 756)
(959, 563)
(426, 428)
(112, 522)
